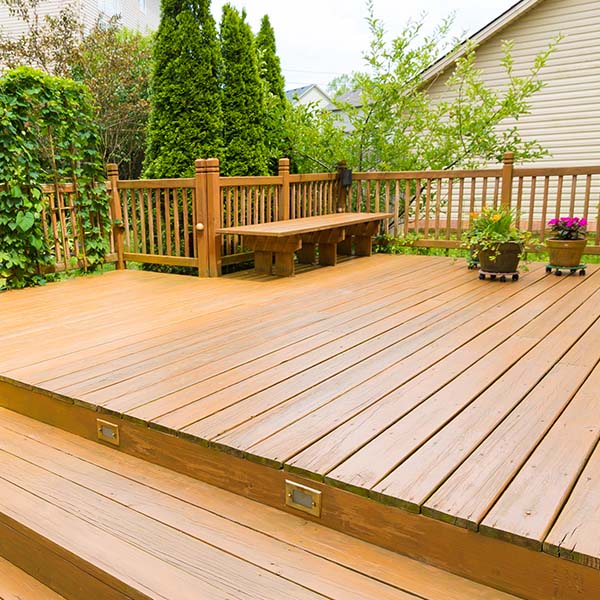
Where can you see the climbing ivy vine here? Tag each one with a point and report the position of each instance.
(47, 136)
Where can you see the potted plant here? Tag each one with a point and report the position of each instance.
(566, 246)
(498, 243)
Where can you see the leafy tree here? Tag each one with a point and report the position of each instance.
(114, 63)
(243, 106)
(276, 103)
(186, 119)
(393, 124)
(47, 134)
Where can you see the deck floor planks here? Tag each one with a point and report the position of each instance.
(235, 413)
(270, 541)
(415, 480)
(337, 411)
(17, 585)
(382, 374)
(228, 320)
(575, 533)
(296, 338)
(338, 335)
(343, 443)
(473, 489)
(532, 501)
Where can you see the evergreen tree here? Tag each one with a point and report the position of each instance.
(243, 106)
(274, 94)
(186, 118)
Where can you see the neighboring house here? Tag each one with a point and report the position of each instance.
(309, 94)
(565, 116)
(140, 15)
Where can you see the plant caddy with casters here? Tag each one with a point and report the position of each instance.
(499, 245)
(566, 246)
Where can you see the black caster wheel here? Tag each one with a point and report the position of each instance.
(503, 279)
(581, 272)
(548, 269)
(492, 277)
(515, 277)
(558, 272)
(481, 276)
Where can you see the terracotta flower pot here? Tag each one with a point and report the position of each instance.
(565, 253)
(503, 258)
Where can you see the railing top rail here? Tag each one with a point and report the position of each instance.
(309, 177)
(555, 171)
(183, 182)
(442, 174)
(249, 180)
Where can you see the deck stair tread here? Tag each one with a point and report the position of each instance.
(18, 585)
(137, 530)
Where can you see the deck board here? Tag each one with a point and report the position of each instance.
(191, 533)
(401, 378)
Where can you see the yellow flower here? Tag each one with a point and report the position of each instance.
(496, 218)
(474, 215)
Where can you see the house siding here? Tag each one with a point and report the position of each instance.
(564, 115)
(132, 16)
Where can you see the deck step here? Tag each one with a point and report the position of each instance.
(91, 522)
(18, 585)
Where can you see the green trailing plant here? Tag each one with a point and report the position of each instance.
(47, 136)
(245, 152)
(186, 117)
(493, 227)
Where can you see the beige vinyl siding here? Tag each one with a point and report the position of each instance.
(565, 115)
(132, 16)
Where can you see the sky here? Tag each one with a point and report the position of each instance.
(318, 40)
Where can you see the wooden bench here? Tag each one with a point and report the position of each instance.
(332, 233)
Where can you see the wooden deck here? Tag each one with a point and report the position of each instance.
(401, 379)
(130, 529)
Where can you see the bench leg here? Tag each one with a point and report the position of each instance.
(363, 245)
(345, 247)
(284, 264)
(328, 254)
(263, 261)
(306, 254)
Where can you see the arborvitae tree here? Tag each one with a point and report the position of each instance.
(186, 118)
(275, 101)
(243, 105)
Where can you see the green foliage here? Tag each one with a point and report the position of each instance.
(47, 134)
(392, 123)
(186, 119)
(492, 227)
(113, 62)
(243, 107)
(276, 103)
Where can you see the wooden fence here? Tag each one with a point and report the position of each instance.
(174, 221)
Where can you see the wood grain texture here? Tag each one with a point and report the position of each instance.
(18, 585)
(404, 379)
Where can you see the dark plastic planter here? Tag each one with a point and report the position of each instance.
(504, 258)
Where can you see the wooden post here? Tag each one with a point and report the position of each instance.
(284, 196)
(213, 219)
(201, 214)
(342, 191)
(507, 179)
(116, 213)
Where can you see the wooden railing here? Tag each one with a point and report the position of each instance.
(174, 221)
(64, 231)
(433, 208)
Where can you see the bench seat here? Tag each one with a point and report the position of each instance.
(275, 243)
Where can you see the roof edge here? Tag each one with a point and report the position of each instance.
(486, 32)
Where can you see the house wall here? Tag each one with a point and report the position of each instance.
(564, 117)
(141, 15)
(315, 95)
